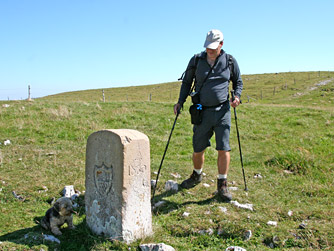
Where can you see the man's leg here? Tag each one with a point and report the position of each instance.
(198, 160)
(223, 162)
(201, 140)
(196, 176)
(223, 167)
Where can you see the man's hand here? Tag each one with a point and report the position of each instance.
(177, 108)
(236, 102)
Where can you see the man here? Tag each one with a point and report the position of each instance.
(211, 72)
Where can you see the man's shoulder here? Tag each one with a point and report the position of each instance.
(194, 60)
(229, 57)
(200, 55)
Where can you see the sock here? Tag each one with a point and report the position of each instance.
(222, 176)
(198, 171)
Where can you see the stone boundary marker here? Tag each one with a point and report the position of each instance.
(118, 189)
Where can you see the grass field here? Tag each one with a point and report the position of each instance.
(286, 125)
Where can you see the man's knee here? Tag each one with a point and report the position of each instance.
(223, 153)
(199, 153)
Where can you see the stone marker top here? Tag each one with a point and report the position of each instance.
(126, 135)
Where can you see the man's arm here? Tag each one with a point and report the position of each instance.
(237, 83)
(236, 79)
(187, 81)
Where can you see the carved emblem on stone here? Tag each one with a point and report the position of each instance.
(103, 176)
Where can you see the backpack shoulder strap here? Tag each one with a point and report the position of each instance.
(230, 65)
(197, 56)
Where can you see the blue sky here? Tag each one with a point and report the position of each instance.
(58, 46)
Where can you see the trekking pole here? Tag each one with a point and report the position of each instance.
(236, 125)
(163, 157)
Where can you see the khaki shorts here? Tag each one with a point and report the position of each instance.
(215, 120)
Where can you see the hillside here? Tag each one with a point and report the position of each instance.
(286, 125)
(263, 88)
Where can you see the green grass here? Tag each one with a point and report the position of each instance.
(287, 138)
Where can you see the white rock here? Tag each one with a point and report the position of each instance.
(44, 189)
(185, 214)
(7, 142)
(19, 197)
(233, 188)
(235, 248)
(223, 209)
(290, 213)
(206, 185)
(220, 231)
(272, 223)
(202, 232)
(68, 191)
(51, 238)
(247, 235)
(176, 175)
(156, 247)
(5, 105)
(153, 182)
(171, 185)
(159, 204)
(208, 231)
(244, 206)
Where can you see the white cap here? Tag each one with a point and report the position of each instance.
(213, 38)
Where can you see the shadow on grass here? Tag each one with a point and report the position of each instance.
(168, 206)
(78, 239)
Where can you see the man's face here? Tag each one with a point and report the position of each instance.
(214, 53)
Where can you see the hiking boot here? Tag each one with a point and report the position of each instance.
(194, 179)
(223, 192)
